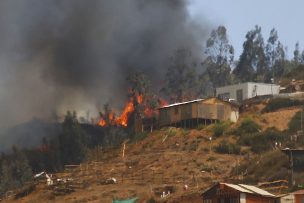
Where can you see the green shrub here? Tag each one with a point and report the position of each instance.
(247, 126)
(278, 103)
(261, 142)
(185, 132)
(218, 129)
(139, 136)
(193, 147)
(295, 123)
(225, 147)
(200, 127)
(206, 168)
(152, 200)
(296, 73)
(211, 158)
(271, 166)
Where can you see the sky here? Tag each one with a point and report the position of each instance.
(240, 16)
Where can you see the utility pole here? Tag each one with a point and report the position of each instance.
(210, 138)
(291, 168)
(302, 120)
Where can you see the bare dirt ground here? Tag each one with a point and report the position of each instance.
(278, 119)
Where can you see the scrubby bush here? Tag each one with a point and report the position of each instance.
(139, 136)
(225, 147)
(200, 127)
(261, 142)
(206, 168)
(211, 158)
(271, 166)
(278, 103)
(218, 129)
(295, 123)
(247, 126)
(152, 200)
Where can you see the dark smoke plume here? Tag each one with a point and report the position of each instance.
(74, 54)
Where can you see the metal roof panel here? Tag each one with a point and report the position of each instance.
(238, 188)
(257, 190)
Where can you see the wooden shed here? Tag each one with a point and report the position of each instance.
(294, 197)
(200, 111)
(240, 193)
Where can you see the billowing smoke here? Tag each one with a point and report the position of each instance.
(57, 55)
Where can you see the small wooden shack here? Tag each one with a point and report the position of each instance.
(240, 193)
(294, 197)
(195, 112)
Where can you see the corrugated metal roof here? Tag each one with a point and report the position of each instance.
(255, 83)
(236, 187)
(257, 190)
(176, 104)
(245, 189)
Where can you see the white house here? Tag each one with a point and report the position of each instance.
(243, 91)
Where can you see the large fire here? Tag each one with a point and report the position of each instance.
(122, 120)
(129, 108)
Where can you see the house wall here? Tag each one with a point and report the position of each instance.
(263, 89)
(207, 111)
(247, 90)
(231, 90)
(288, 199)
(299, 198)
(258, 199)
(243, 198)
(210, 109)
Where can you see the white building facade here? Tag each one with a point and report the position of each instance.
(243, 91)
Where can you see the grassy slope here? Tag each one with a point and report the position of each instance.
(171, 157)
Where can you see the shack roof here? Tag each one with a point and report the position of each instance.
(254, 83)
(238, 188)
(211, 100)
(257, 190)
(298, 192)
(181, 103)
(244, 189)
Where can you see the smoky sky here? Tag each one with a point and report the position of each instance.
(57, 55)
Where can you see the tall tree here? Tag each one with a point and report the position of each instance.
(252, 63)
(302, 57)
(14, 171)
(181, 78)
(71, 140)
(220, 56)
(275, 55)
(138, 83)
(296, 54)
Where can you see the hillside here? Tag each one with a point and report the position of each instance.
(167, 159)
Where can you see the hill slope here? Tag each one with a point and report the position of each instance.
(165, 160)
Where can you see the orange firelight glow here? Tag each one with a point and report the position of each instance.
(122, 120)
(102, 122)
(129, 108)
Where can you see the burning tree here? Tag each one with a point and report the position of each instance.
(141, 103)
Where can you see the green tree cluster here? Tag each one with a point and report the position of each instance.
(14, 171)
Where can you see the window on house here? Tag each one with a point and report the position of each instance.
(224, 96)
(239, 95)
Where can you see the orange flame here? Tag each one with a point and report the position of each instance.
(139, 99)
(129, 108)
(102, 122)
(123, 118)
